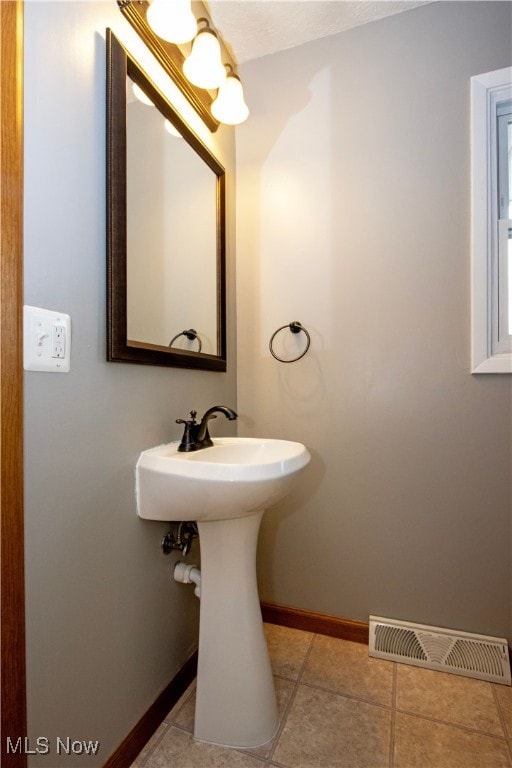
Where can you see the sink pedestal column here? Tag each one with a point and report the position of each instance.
(235, 699)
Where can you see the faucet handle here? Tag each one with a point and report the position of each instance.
(188, 441)
(189, 422)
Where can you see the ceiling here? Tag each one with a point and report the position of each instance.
(254, 28)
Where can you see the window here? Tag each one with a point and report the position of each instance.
(491, 166)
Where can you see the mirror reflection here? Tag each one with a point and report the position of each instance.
(166, 238)
(171, 233)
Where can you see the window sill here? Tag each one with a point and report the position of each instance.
(494, 364)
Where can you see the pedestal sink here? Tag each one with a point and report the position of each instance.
(225, 488)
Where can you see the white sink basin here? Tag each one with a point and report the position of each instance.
(235, 477)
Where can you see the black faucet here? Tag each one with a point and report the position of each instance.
(196, 436)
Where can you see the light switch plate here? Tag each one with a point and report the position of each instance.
(46, 340)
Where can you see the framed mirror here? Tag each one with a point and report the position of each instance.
(166, 281)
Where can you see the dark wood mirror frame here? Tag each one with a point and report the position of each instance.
(121, 65)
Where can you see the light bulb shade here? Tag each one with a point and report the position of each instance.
(169, 127)
(172, 20)
(229, 107)
(141, 96)
(204, 66)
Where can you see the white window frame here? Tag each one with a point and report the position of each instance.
(502, 290)
(487, 90)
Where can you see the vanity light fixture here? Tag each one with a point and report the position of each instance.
(203, 67)
(229, 107)
(172, 20)
(200, 74)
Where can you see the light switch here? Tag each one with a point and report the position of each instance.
(46, 340)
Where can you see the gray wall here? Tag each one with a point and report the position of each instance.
(107, 628)
(353, 190)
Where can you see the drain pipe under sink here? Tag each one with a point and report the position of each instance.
(188, 574)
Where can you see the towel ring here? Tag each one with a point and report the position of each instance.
(295, 327)
(191, 334)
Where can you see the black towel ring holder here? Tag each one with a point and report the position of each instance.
(295, 327)
(191, 334)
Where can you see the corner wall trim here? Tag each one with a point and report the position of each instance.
(321, 623)
(141, 733)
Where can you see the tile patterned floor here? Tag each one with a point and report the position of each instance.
(341, 709)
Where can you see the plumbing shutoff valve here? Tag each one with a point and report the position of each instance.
(188, 574)
(179, 537)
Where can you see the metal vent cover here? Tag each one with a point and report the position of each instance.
(446, 650)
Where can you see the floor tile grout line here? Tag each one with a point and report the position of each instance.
(184, 703)
(242, 751)
(155, 745)
(393, 717)
(503, 721)
(247, 751)
(182, 728)
(351, 696)
(280, 676)
(289, 705)
(501, 714)
(450, 724)
(306, 657)
(277, 764)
